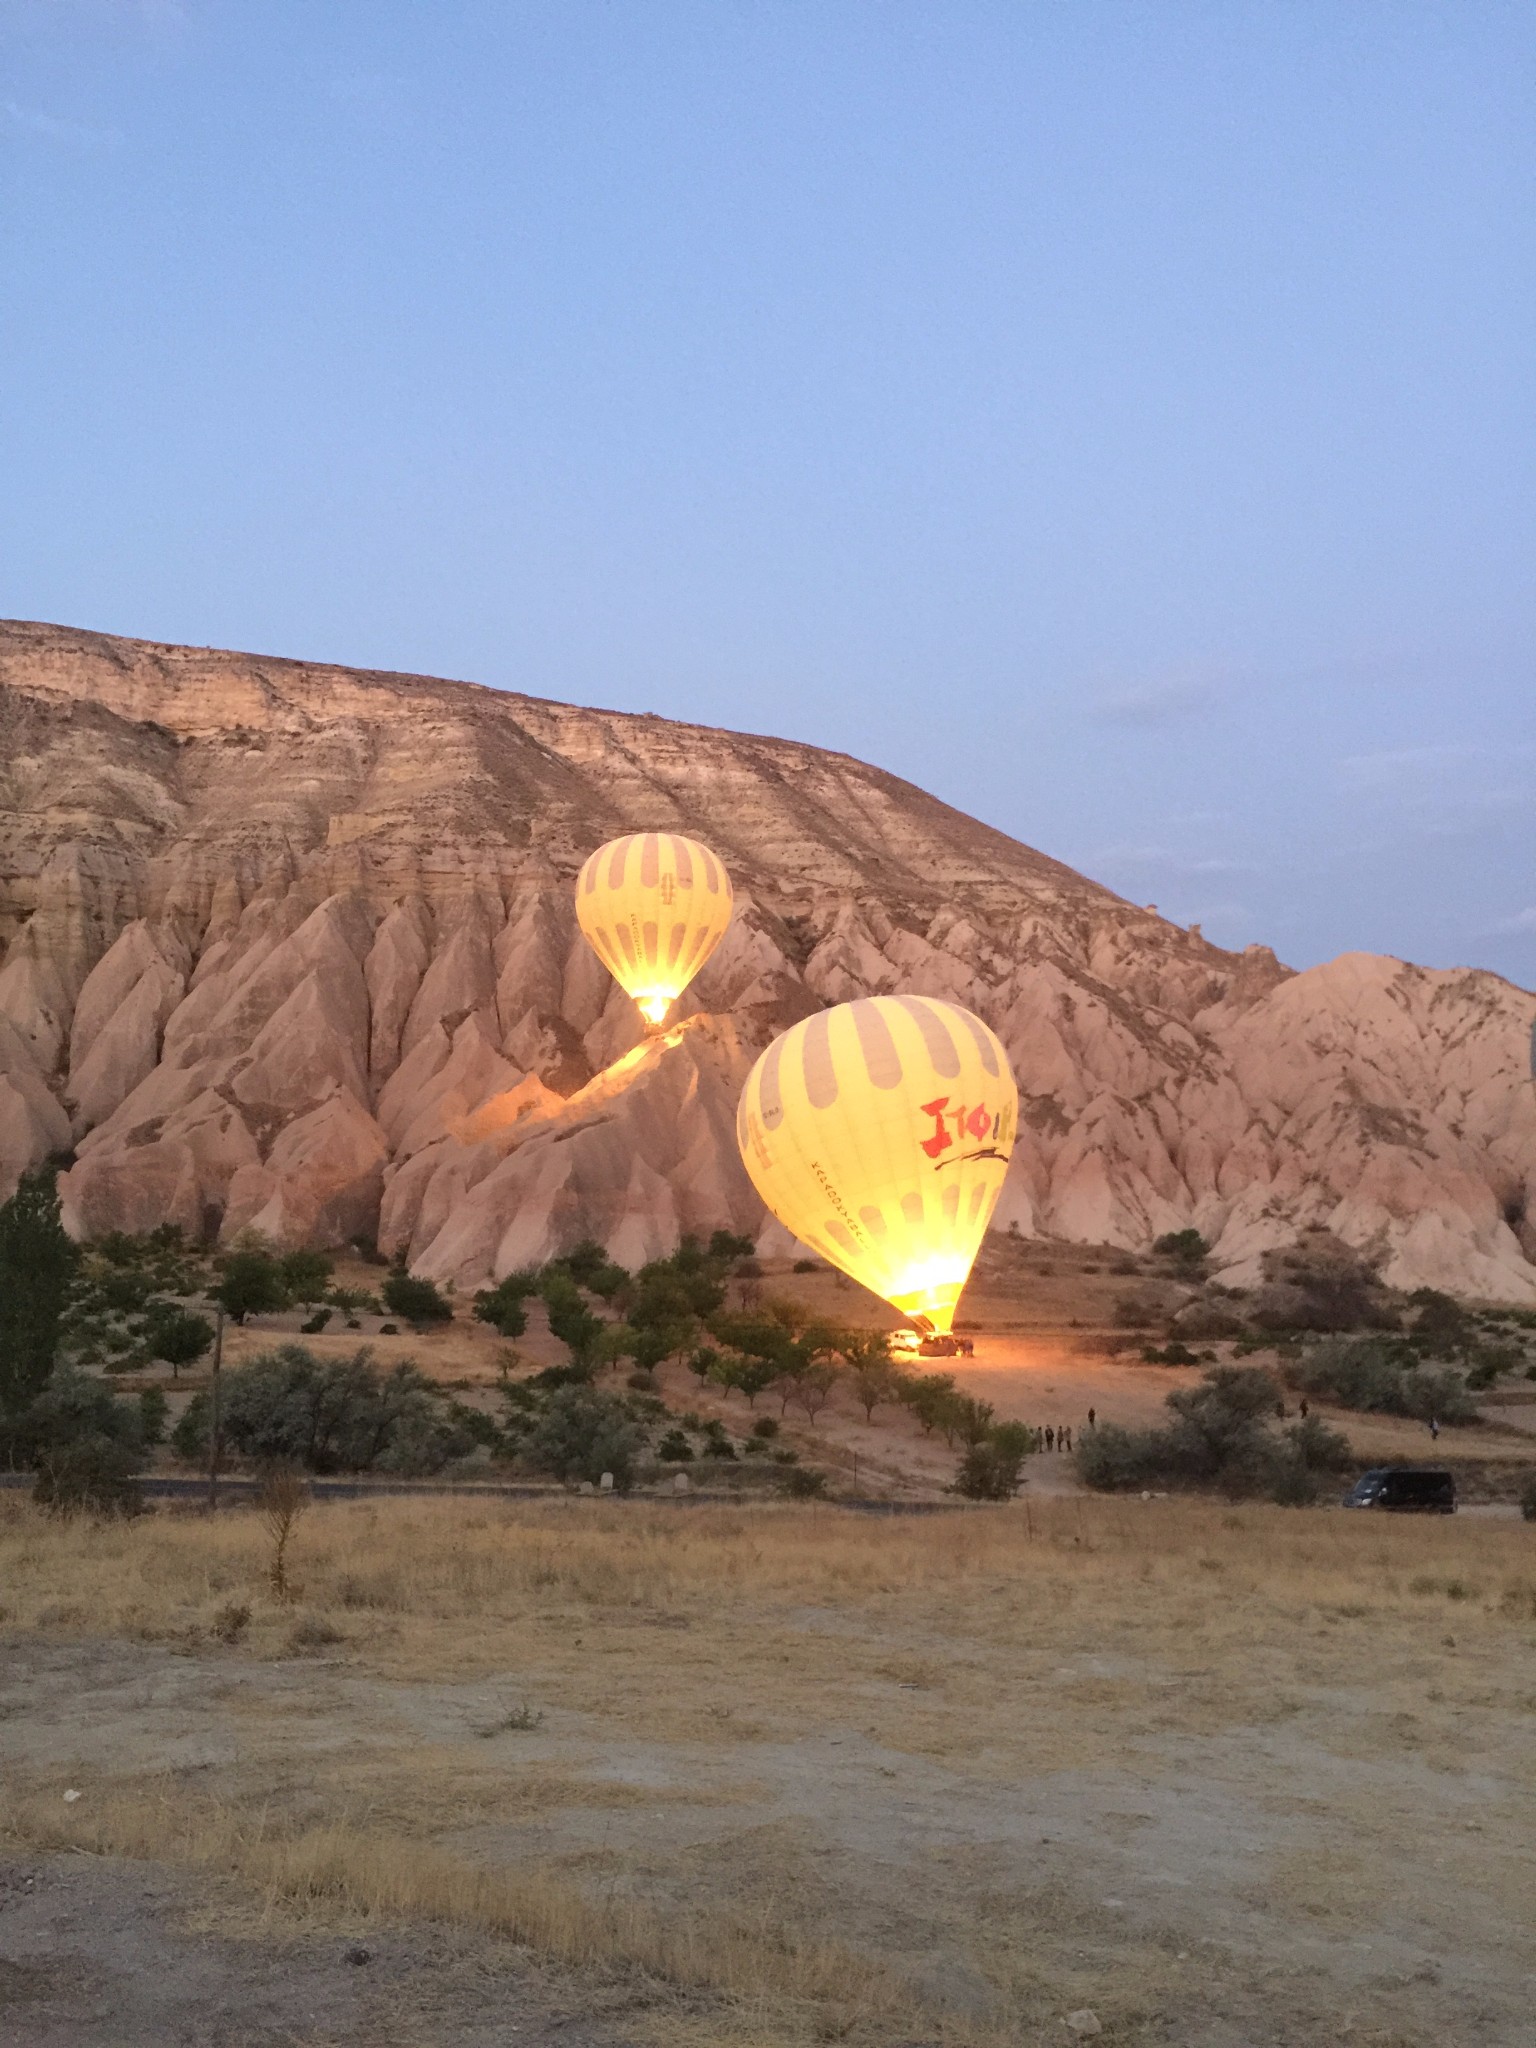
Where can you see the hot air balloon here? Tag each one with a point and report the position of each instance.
(653, 907)
(879, 1133)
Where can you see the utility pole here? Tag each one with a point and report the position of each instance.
(216, 1430)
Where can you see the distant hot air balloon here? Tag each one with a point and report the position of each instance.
(879, 1133)
(653, 906)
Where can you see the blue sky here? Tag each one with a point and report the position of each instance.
(1117, 418)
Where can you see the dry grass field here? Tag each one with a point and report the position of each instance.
(627, 1772)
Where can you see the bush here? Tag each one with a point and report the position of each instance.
(1134, 1312)
(92, 1475)
(289, 1408)
(417, 1300)
(1320, 1283)
(806, 1266)
(1528, 1501)
(502, 1306)
(675, 1449)
(153, 1409)
(1187, 1248)
(86, 1447)
(803, 1482)
(583, 1433)
(1382, 1376)
(990, 1469)
(313, 1325)
(1220, 1439)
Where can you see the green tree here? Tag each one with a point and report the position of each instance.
(417, 1300)
(583, 1433)
(576, 1326)
(250, 1284)
(87, 1447)
(37, 1264)
(177, 1335)
(288, 1407)
(1186, 1248)
(307, 1275)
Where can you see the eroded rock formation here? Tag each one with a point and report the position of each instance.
(292, 946)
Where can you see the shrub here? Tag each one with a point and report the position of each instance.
(502, 1305)
(1171, 1354)
(1528, 1500)
(153, 1409)
(1382, 1376)
(675, 1449)
(569, 1317)
(990, 1469)
(85, 1447)
(583, 1433)
(1320, 1283)
(417, 1300)
(1220, 1439)
(803, 1482)
(313, 1325)
(289, 1408)
(1187, 1248)
(806, 1266)
(1134, 1312)
(306, 1275)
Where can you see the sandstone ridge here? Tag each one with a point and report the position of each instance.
(292, 946)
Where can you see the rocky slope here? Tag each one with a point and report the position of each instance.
(292, 946)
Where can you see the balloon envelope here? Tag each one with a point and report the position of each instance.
(653, 906)
(879, 1133)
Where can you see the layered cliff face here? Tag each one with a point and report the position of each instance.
(293, 946)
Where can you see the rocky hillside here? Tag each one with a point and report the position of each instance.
(293, 946)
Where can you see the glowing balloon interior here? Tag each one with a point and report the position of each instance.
(653, 907)
(879, 1133)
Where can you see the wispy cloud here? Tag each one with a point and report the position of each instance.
(1170, 702)
(1522, 924)
(19, 120)
(1401, 768)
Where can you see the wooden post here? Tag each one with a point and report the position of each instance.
(216, 1428)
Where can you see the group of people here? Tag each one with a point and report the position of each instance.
(1057, 1436)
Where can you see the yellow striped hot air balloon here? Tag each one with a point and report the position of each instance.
(879, 1133)
(653, 907)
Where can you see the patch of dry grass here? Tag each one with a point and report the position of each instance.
(793, 1761)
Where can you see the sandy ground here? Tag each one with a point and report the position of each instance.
(1227, 1778)
(96, 1952)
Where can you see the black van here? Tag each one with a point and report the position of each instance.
(1405, 1489)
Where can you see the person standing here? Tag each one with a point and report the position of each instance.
(1050, 1437)
(1091, 1418)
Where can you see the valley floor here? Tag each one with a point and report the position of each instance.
(625, 1773)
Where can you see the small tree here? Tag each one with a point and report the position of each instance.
(281, 1500)
(1186, 1248)
(576, 1326)
(176, 1335)
(251, 1284)
(418, 1301)
(307, 1275)
(813, 1387)
(37, 1264)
